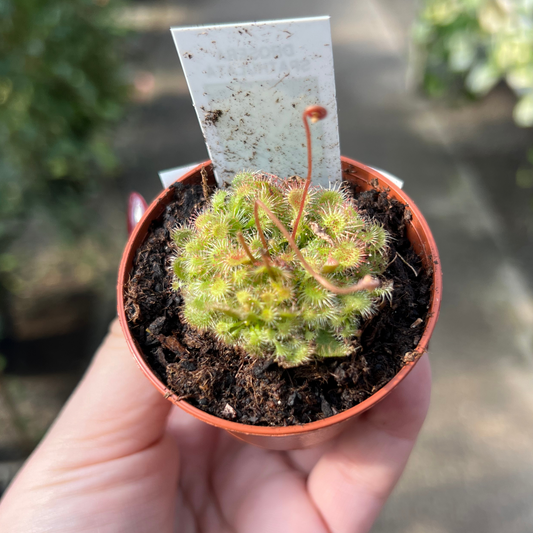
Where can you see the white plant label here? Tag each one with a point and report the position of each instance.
(250, 84)
(171, 175)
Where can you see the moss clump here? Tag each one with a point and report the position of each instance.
(242, 279)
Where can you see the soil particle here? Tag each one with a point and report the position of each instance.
(211, 117)
(229, 383)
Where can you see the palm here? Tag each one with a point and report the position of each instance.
(228, 486)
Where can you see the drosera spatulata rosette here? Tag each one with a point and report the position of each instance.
(292, 295)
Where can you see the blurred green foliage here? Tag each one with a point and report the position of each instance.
(474, 44)
(60, 87)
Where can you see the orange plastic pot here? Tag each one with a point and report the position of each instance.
(311, 434)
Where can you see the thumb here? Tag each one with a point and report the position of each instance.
(114, 411)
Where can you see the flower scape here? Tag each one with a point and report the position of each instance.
(291, 295)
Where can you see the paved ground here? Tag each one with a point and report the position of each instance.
(472, 469)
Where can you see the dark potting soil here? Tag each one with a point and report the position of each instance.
(229, 383)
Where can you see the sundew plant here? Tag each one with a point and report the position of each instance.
(292, 295)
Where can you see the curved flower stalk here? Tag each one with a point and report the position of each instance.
(296, 296)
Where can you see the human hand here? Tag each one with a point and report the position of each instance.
(121, 458)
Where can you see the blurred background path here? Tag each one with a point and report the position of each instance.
(472, 470)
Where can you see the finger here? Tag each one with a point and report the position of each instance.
(258, 492)
(113, 412)
(352, 481)
(197, 442)
(305, 460)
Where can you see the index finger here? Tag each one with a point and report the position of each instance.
(352, 480)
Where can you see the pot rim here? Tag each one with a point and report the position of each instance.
(281, 431)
